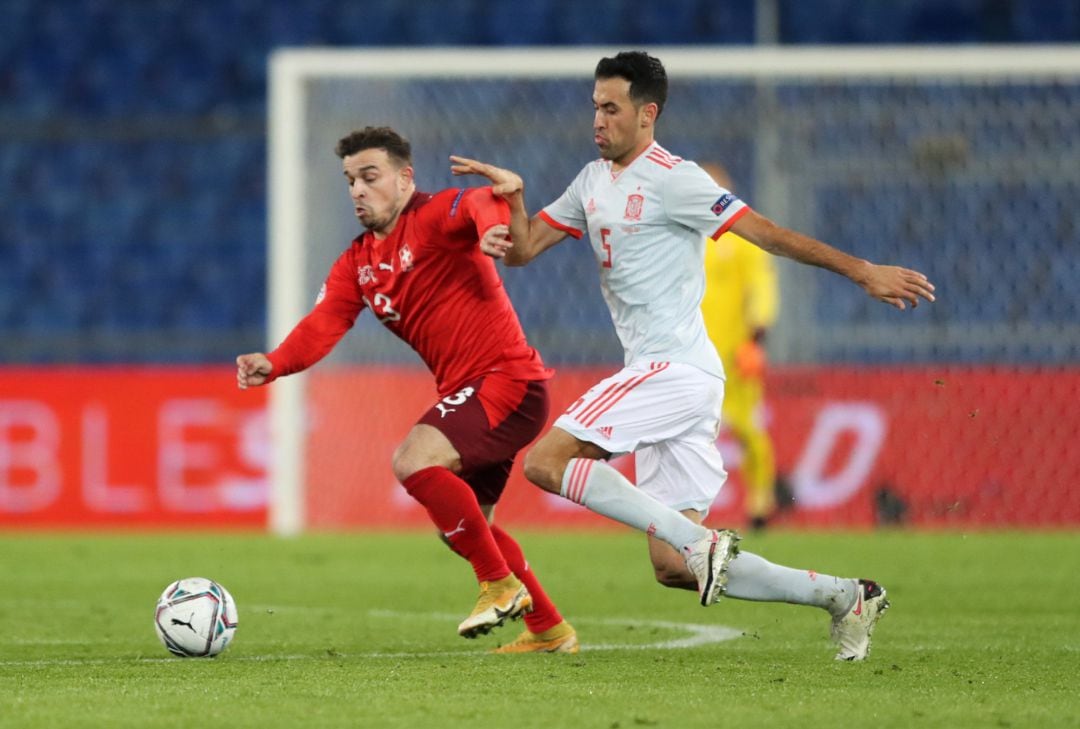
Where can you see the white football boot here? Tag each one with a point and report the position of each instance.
(851, 631)
(708, 561)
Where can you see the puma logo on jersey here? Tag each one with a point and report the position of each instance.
(386, 267)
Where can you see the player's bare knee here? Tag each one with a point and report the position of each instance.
(402, 464)
(406, 461)
(409, 458)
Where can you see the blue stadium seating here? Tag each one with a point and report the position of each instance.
(120, 221)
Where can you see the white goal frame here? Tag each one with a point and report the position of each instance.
(291, 69)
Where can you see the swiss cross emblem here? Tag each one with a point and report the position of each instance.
(365, 274)
(406, 257)
(634, 204)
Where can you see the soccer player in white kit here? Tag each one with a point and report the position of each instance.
(648, 213)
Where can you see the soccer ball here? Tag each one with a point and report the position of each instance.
(195, 617)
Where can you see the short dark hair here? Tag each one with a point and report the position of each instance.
(647, 77)
(396, 146)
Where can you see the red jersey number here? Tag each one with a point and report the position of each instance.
(606, 245)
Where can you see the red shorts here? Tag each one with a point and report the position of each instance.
(488, 421)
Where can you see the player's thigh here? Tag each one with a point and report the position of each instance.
(643, 404)
(487, 422)
(424, 447)
(545, 463)
(683, 473)
(489, 419)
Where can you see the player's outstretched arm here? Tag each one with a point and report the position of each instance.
(528, 238)
(892, 284)
(252, 370)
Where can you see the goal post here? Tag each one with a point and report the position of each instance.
(833, 141)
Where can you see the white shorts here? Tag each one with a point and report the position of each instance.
(668, 414)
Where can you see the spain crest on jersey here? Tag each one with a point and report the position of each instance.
(634, 204)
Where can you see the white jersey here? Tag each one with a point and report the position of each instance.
(648, 225)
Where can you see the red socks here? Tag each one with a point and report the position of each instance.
(544, 614)
(453, 508)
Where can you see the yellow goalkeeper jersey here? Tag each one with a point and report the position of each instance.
(740, 292)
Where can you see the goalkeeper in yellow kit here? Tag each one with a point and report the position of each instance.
(740, 304)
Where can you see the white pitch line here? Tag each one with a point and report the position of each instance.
(699, 635)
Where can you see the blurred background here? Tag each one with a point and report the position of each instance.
(133, 250)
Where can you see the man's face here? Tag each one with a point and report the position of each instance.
(619, 128)
(378, 187)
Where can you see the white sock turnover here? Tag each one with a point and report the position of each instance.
(601, 489)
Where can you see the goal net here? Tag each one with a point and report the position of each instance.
(962, 163)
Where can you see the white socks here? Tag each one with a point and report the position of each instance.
(601, 489)
(751, 577)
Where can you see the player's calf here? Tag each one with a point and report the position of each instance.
(669, 567)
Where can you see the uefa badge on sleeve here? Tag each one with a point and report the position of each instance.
(723, 203)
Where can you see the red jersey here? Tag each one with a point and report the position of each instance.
(428, 283)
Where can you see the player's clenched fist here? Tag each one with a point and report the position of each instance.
(252, 370)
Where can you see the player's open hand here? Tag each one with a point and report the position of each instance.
(895, 285)
(496, 241)
(252, 370)
(503, 182)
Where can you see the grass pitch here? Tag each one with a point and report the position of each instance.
(360, 630)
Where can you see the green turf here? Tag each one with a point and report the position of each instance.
(359, 630)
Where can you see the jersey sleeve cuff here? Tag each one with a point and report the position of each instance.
(568, 229)
(730, 222)
(275, 366)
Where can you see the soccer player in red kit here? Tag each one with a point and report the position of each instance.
(424, 269)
